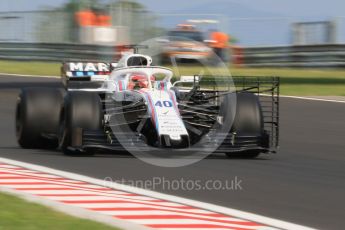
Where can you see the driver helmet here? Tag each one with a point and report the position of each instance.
(139, 81)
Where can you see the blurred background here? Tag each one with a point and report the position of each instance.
(265, 33)
(301, 41)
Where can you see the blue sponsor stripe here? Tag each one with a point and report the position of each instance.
(79, 74)
(124, 85)
(153, 111)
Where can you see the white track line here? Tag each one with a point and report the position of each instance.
(312, 99)
(27, 75)
(203, 205)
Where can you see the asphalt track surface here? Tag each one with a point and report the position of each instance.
(304, 183)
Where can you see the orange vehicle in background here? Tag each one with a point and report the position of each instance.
(186, 43)
(89, 17)
(86, 17)
(220, 44)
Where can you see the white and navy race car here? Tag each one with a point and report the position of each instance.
(134, 106)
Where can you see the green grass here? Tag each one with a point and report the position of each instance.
(312, 90)
(16, 213)
(301, 82)
(31, 68)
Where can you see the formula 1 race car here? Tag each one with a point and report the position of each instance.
(132, 105)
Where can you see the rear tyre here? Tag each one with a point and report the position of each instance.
(37, 117)
(248, 120)
(81, 111)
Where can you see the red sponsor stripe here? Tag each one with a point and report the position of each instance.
(152, 108)
(120, 85)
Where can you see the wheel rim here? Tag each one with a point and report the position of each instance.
(19, 124)
(62, 128)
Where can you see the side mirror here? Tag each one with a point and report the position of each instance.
(209, 41)
(99, 78)
(190, 78)
(162, 40)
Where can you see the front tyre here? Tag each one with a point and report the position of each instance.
(81, 111)
(248, 121)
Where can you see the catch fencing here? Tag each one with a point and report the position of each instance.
(55, 52)
(327, 56)
(316, 56)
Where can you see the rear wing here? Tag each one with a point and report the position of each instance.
(84, 70)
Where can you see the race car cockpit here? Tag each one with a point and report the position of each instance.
(137, 82)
